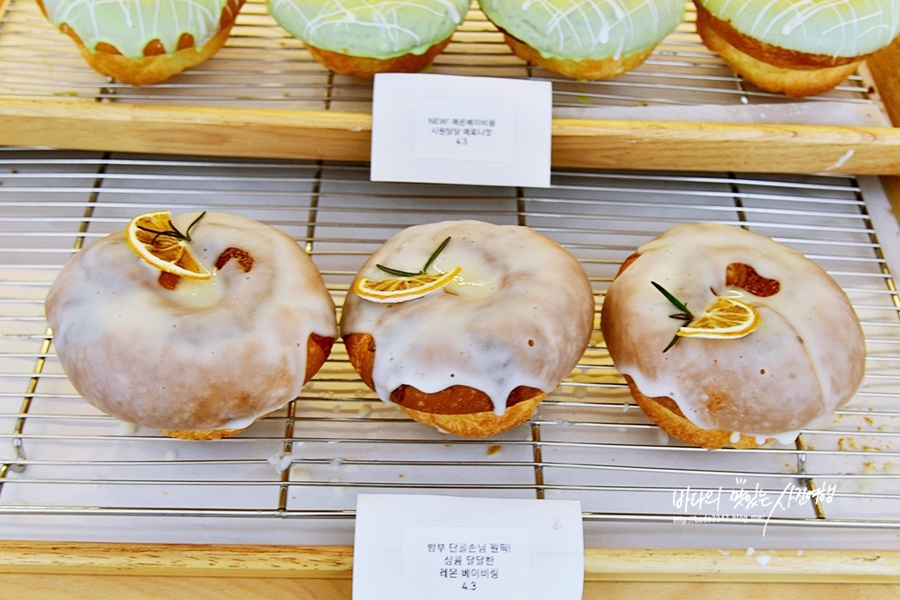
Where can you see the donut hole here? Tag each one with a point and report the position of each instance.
(243, 258)
(744, 276)
(168, 280)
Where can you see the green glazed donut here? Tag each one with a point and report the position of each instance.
(361, 38)
(798, 47)
(584, 39)
(141, 42)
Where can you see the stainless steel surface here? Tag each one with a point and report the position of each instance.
(263, 66)
(69, 472)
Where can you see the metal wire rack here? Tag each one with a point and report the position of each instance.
(69, 472)
(263, 66)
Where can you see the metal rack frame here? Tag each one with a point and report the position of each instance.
(64, 467)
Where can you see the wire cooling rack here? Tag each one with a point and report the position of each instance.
(261, 65)
(68, 472)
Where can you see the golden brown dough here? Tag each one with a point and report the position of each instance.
(459, 409)
(769, 67)
(367, 68)
(805, 358)
(156, 64)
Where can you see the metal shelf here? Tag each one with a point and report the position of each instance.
(69, 473)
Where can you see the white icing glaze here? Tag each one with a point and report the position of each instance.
(803, 361)
(130, 25)
(162, 359)
(521, 313)
(838, 28)
(378, 29)
(586, 29)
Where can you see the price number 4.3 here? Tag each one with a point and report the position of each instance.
(462, 141)
(469, 585)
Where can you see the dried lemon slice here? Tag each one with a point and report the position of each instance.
(401, 289)
(154, 238)
(727, 318)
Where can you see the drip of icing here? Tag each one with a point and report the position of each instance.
(382, 30)
(786, 438)
(197, 293)
(837, 28)
(618, 53)
(524, 317)
(455, 14)
(594, 29)
(129, 25)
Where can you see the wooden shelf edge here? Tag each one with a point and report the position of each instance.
(335, 562)
(176, 560)
(339, 136)
(208, 131)
(789, 566)
(713, 147)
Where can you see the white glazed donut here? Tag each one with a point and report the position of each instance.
(477, 356)
(140, 42)
(584, 39)
(805, 359)
(208, 358)
(798, 47)
(362, 38)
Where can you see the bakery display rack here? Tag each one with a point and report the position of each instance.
(264, 96)
(84, 494)
(263, 130)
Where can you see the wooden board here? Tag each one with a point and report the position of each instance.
(336, 562)
(323, 135)
(73, 570)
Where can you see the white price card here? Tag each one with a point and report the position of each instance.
(465, 130)
(447, 548)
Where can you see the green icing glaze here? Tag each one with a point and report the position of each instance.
(586, 29)
(843, 28)
(130, 25)
(375, 29)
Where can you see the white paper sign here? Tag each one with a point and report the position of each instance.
(446, 548)
(465, 130)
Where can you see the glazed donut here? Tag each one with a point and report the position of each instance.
(203, 360)
(477, 356)
(796, 47)
(140, 42)
(362, 38)
(584, 39)
(805, 359)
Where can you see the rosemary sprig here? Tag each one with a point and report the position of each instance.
(431, 259)
(685, 314)
(173, 231)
